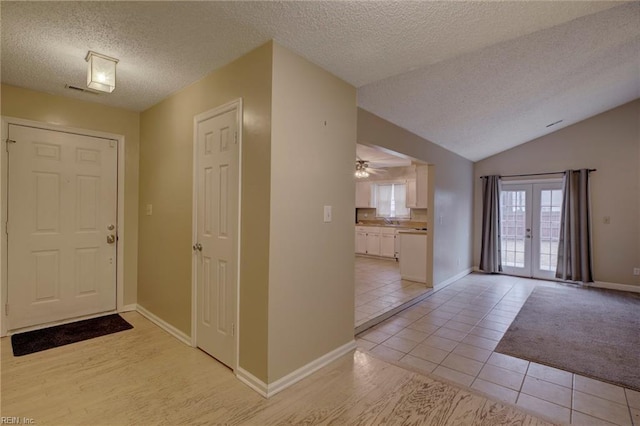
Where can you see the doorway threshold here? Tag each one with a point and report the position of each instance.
(377, 320)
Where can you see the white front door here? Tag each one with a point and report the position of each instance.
(61, 212)
(530, 227)
(216, 245)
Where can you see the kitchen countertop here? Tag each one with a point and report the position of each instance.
(408, 226)
(415, 232)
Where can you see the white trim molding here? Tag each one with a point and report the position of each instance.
(269, 390)
(128, 308)
(615, 286)
(183, 337)
(453, 279)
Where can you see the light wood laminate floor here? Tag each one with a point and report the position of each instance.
(144, 376)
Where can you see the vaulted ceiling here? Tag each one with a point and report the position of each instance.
(474, 77)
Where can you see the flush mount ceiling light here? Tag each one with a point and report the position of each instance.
(101, 72)
(361, 169)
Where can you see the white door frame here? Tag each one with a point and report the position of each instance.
(229, 106)
(6, 121)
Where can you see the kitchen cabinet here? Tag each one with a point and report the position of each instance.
(373, 242)
(363, 195)
(361, 239)
(418, 188)
(387, 242)
(377, 241)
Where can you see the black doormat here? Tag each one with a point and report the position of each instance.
(60, 335)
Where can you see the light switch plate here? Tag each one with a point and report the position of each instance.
(327, 213)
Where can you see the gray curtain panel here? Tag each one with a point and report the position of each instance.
(574, 247)
(490, 256)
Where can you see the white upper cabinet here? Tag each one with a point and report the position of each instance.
(418, 189)
(363, 195)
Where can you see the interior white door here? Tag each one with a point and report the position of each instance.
(62, 210)
(530, 227)
(216, 245)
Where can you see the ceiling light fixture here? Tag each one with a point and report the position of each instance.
(101, 72)
(361, 169)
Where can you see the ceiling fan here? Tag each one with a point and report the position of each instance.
(363, 169)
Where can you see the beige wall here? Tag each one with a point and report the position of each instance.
(311, 274)
(610, 143)
(52, 109)
(166, 174)
(450, 219)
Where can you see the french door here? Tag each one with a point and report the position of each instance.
(530, 228)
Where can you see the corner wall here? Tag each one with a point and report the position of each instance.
(608, 142)
(311, 274)
(53, 109)
(450, 218)
(166, 179)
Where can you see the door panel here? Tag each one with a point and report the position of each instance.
(515, 206)
(62, 192)
(548, 206)
(217, 233)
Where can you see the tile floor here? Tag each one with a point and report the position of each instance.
(453, 332)
(379, 288)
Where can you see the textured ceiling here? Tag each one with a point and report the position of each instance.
(493, 99)
(474, 77)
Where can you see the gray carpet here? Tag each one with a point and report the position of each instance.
(587, 331)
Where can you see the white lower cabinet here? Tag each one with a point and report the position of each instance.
(361, 240)
(373, 242)
(376, 241)
(387, 242)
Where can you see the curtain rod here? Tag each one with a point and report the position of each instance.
(538, 174)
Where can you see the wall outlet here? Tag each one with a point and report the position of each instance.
(149, 210)
(636, 271)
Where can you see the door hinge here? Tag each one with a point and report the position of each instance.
(233, 329)
(9, 141)
(235, 137)
(6, 310)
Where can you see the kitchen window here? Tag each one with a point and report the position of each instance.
(391, 200)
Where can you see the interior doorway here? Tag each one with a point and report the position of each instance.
(530, 228)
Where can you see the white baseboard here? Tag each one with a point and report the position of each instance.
(268, 390)
(598, 284)
(453, 279)
(129, 308)
(252, 381)
(164, 325)
(616, 286)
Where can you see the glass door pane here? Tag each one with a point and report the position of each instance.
(515, 219)
(548, 200)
